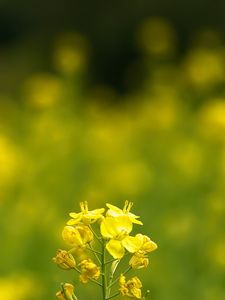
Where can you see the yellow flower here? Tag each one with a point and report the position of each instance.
(130, 288)
(86, 216)
(60, 295)
(145, 243)
(117, 230)
(77, 236)
(139, 261)
(64, 259)
(115, 211)
(89, 270)
(67, 292)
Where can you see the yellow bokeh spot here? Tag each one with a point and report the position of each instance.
(10, 160)
(157, 37)
(17, 287)
(218, 252)
(71, 53)
(187, 158)
(204, 67)
(129, 178)
(43, 90)
(211, 119)
(158, 114)
(179, 227)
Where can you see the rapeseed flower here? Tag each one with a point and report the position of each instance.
(113, 234)
(115, 211)
(89, 270)
(60, 295)
(145, 243)
(64, 260)
(117, 231)
(67, 292)
(130, 288)
(77, 236)
(139, 261)
(86, 216)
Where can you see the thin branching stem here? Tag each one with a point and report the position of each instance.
(95, 253)
(94, 233)
(104, 281)
(115, 295)
(125, 272)
(110, 261)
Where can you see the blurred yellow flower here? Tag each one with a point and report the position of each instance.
(211, 119)
(10, 161)
(89, 270)
(114, 211)
(218, 251)
(71, 53)
(130, 288)
(18, 287)
(43, 90)
(86, 216)
(205, 67)
(157, 37)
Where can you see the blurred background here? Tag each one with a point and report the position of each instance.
(108, 101)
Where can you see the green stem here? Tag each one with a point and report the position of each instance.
(125, 272)
(113, 270)
(115, 295)
(104, 282)
(110, 261)
(93, 250)
(95, 253)
(97, 238)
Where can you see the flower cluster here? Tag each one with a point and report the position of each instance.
(98, 240)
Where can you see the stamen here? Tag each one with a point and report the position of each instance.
(82, 208)
(86, 207)
(125, 206)
(129, 206)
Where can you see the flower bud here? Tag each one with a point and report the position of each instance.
(139, 261)
(89, 270)
(64, 260)
(67, 292)
(60, 295)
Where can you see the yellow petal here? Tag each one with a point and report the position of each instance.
(72, 236)
(131, 243)
(116, 228)
(115, 248)
(113, 211)
(150, 246)
(124, 224)
(98, 211)
(135, 221)
(76, 218)
(115, 208)
(74, 215)
(107, 228)
(72, 222)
